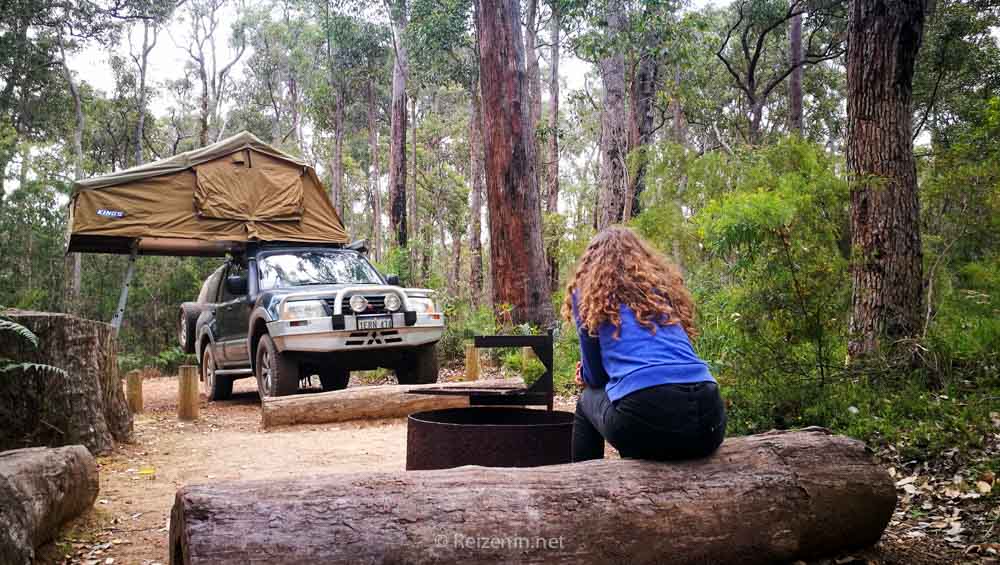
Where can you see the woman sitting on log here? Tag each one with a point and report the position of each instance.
(645, 390)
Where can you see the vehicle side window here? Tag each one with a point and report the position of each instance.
(234, 269)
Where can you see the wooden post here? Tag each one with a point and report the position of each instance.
(133, 391)
(187, 393)
(471, 362)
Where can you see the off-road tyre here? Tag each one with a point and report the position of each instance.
(277, 374)
(186, 324)
(419, 366)
(217, 387)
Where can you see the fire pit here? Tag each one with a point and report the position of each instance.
(488, 436)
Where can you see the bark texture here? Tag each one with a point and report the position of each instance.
(87, 406)
(517, 259)
(397, 125)
(883, 39)
(476, 195)
(374, 174)
(767, 498)
(365, 403)
(40, 489)
(643, 94)
(552, 177)
(614, 134)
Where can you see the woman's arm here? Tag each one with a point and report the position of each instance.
(590, 354)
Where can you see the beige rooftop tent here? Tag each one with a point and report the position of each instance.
(204, 202)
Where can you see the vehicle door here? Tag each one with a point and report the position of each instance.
(233, 316)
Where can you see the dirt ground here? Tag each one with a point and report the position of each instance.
(129, 523)
(138, 482)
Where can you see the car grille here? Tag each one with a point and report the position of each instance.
(376, 304)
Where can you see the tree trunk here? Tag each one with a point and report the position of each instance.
(769, 498)
(412, 193)
(795, 79)
(883, 39)
(534, 83)
(397, 119)
(74, 262)
(517, 260)
(337, 159)
(85, 406)
(614, 136)
(476, 196)
(143, 64)
(678, 127)
(366, 403)
(374, 174)
(643, 94)
(552, 201)
(41, 489)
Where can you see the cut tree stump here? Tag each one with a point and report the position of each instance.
(86, 406)
(367, 403)
(40, 489)
(773, 497)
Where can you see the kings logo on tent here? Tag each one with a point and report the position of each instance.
(111, 213)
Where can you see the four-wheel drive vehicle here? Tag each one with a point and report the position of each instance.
(283, 312)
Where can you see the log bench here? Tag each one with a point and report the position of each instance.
(773, 497)
(40, 489)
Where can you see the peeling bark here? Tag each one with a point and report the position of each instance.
(397, 119)
(517, 259)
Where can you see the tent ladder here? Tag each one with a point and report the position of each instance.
(116, 321)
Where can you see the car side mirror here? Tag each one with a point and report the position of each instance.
(236, 285)
(392, 280)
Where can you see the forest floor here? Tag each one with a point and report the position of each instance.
(129, 523)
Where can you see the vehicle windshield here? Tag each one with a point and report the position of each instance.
(301, 268)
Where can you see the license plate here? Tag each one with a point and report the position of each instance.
(377, 323)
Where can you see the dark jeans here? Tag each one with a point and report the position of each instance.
(672, 421)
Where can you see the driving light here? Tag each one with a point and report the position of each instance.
(358, 303)
(392, 302)
(421, 305)
(301, 309)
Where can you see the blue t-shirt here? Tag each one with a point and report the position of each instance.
(639, 358)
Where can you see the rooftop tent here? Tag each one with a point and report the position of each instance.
(204, 202)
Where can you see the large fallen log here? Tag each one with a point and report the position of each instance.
(85, 406)
(773, 497)
(367, 403)
(40, 489)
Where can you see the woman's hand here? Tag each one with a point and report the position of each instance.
(578, 378)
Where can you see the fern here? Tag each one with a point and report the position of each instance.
(17, 329)
(8, 365)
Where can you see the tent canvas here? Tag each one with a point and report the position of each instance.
(204, 202)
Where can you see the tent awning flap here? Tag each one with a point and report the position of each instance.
(236, 190)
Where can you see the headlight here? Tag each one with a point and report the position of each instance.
(300, 309)
(358, 303)
(392, 302)
(421, 305)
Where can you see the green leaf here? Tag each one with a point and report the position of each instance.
(19, 330)
(40, 367)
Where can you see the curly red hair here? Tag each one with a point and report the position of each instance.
(617, 268)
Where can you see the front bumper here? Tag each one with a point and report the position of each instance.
(317, 334)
